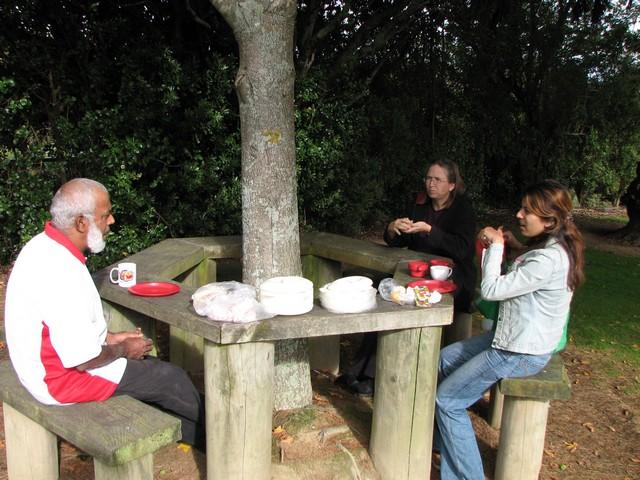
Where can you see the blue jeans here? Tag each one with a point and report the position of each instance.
(467, 369)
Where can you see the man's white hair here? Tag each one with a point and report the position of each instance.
(74, 198)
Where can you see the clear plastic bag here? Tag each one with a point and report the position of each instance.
(389, 290)
(229, 302)
(393, 292)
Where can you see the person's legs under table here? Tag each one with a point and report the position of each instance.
(169, 387)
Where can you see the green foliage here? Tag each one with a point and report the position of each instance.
(156, 129)
(27, 174)
(338, 184)
(140, 96)
(604, 314)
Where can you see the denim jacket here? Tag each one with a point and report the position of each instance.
(534, 297)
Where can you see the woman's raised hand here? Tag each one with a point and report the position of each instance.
(489, 235)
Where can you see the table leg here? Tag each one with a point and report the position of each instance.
(239, 407)
(404, 401)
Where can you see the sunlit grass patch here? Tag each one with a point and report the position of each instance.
(606, 310)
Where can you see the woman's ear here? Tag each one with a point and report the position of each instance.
(550, 224)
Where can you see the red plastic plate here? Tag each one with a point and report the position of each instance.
(154, 289)
(442, 286)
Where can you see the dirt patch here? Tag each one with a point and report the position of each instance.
(592, 436)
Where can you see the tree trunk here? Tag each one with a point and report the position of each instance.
(271, 242)
(631, 199)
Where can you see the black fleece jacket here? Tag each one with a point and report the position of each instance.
(452, 235)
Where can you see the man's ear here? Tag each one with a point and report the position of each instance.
(82, 224)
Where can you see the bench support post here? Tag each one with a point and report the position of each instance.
(524, 424)
(496, 399)
(406, 378)
(139, 469)
(187, 349)
(239, 409)
(32, 450)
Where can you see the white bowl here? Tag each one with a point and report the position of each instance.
(286, 295)
(348, 295)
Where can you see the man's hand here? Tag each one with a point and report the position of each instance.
(133, 347)
(119, 337)
(136, 347)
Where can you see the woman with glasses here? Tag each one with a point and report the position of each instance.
(441, 222)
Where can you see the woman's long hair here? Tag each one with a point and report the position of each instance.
(550, 200)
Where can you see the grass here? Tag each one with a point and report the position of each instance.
(605, 311)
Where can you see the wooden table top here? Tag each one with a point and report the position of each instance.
(170, 258)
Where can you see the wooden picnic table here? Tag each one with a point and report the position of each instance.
(239, 358)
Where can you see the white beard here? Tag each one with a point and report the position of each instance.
(95, 239)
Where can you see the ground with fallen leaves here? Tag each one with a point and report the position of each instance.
(595, 435)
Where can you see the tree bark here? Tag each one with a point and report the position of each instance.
(264, 84)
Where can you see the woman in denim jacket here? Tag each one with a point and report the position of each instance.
(534, 298)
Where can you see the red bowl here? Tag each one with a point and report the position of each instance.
(418, 268)
(417, 273)
(418, 265)
(440, 261)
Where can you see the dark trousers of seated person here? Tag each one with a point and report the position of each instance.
(168, 387)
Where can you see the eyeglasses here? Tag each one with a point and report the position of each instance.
(434, 180)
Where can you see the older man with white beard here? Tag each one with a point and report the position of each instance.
(56, 332)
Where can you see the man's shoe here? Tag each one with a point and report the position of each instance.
(364, 388)
(347, 381)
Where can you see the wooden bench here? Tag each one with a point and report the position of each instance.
(120, 434)
(523, 419)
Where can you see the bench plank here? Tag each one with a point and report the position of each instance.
(166, 259)
(115, 431)
(229, 246)
(552, 383)
(356, 252)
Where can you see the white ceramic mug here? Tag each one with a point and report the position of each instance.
(125, 274)
(440, 272)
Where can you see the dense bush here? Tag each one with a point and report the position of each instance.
(140, 97)
(166, 146)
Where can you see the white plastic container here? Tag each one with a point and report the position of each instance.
(348, 295)
(286, 295)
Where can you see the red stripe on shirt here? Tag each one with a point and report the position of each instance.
(70, 385)
(56, 235)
